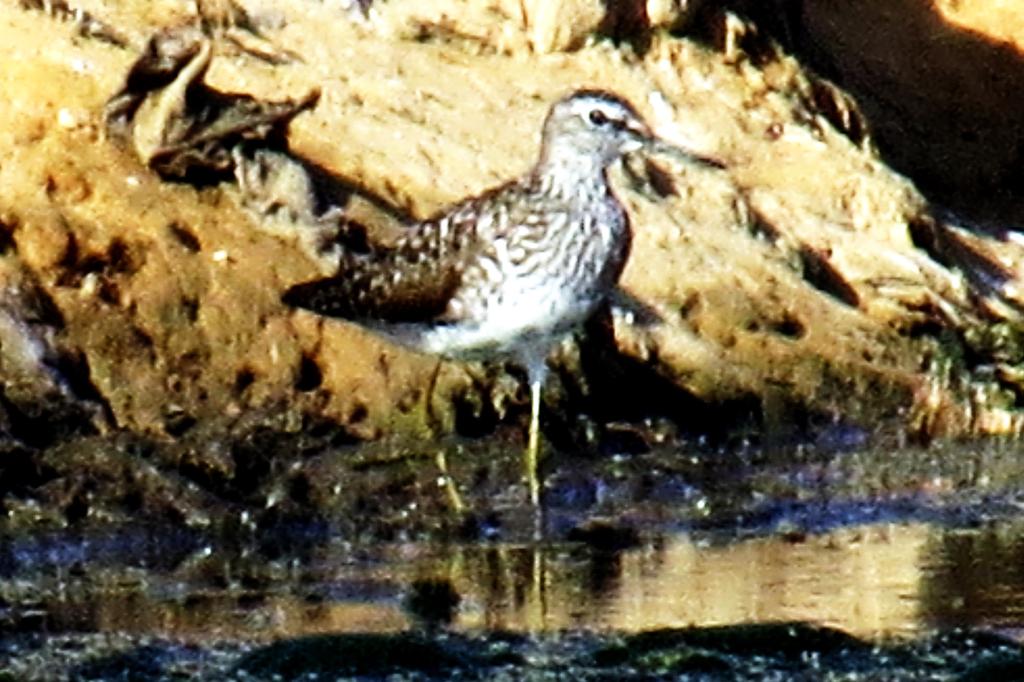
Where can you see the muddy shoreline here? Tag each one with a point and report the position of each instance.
(896, 563)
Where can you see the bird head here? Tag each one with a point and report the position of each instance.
(595, 123)
(601, 126)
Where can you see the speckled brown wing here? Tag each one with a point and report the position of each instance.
(413, 281)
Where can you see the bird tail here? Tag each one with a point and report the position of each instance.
(322, 296)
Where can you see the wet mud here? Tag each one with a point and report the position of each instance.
(848, 555)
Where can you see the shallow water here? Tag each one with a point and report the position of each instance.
(906, 545)
(873, 581)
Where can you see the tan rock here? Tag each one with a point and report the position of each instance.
(797, 276)
(493, 26)
(562, 26)
(1000, 21)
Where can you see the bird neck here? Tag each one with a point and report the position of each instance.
(569, 175)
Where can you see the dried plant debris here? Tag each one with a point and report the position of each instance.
(992, 262)
(281, 191)
(738, 38)
(188, 131)
(230, 23)
(824, 98)
(223, 15)
(85, 23)
(181, 127)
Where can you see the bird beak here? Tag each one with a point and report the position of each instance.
(656, 145)
(638, 136)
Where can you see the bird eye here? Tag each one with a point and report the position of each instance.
(603, 120)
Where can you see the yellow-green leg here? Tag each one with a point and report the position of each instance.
(536, 372)
(533, 442)
(454, 498)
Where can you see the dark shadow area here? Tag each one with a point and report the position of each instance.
(376, 655)
(627, 22)
(943, 103)
(974, 578)
(609, 377)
